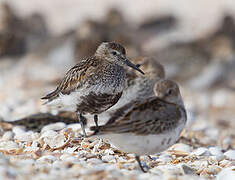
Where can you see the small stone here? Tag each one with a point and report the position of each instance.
(227, 141)
(47, 158)
(225, 163)
(215, 151)
(164, 158)
(201, 151)
(213, 170)
(187, 169)
(230, 154)
(181, 147)
(8, 135)
(95, 161)
(18, 130)
(227, 174)
(108, 158)
(75, 127)
(215, 159)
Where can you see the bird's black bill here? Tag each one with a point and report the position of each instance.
(136, 67)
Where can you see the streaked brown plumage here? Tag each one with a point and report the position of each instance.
(94, 84)
(138, 87)
(150, 126)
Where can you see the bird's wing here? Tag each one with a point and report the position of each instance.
(121, 112)
(73, 79)
(154, 116)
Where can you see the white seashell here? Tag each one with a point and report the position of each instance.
(70, 150)
(230, 154)
(200, 163)
(8, 145)
(56, 141)
(49, 133)
(24, 136)
(108, 158)
(109, 151)
(55, 126)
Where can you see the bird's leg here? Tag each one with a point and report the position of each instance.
(96, 122)
(83, 122)
(150, 157)
(137, 158)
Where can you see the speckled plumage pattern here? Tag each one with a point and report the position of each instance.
(149, 126)
(138, 87)
(94, 84)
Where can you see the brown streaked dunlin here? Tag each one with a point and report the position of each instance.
(93, 85)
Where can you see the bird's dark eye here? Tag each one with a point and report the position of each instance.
(114, 53)
(170, 91)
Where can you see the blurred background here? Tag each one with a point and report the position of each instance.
(194, 40)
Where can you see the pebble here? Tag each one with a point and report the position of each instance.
(227, 141)
(201, 151)
(75, 127)
(230, 154)
(164, 158)
(187, 169)
(8, 135)
(227, 174)
(225, 163)
(215, 159)
(95, 161)
(216, 151)
(47, 158)
(18, 130)
(181, 147)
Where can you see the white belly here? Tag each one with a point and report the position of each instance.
(69, 102)
(144, 145)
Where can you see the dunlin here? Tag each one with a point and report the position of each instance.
(95, 84)
(151, 126)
